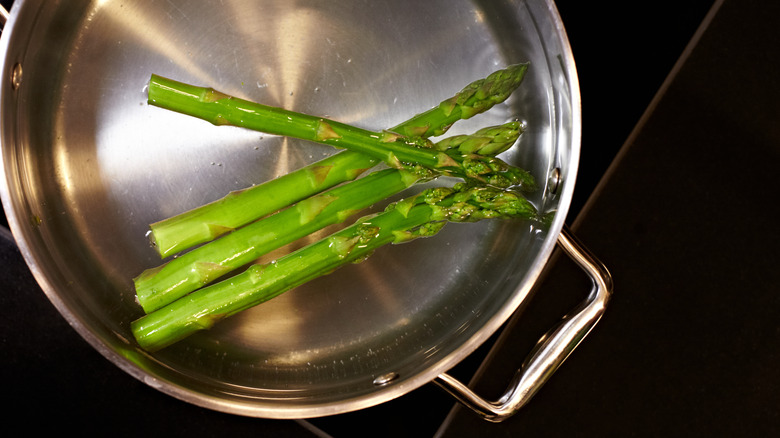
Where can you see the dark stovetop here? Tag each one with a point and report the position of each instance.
(682, 218)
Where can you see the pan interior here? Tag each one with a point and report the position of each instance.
(88, 165)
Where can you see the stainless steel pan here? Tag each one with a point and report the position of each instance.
(86, 165)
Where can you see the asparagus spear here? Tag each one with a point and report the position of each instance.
(161, 285)
(477, 97)
(420, 216)
(394, 149)
(205, 223)
(241, 207)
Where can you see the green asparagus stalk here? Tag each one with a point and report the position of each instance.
(238, 208)
(420, 216)
(161, 285)
(206, 223)
(158, 286)
(394, 149)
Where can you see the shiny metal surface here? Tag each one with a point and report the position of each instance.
(3, 16)
(87, 165)
(552, 349)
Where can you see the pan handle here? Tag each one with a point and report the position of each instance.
(551, 350)
(4, 15)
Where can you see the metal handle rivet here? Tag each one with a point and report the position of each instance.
(386, 378)
(555, 180)
(16, 76)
